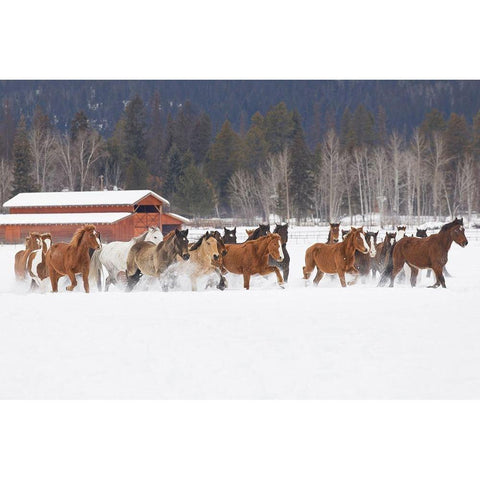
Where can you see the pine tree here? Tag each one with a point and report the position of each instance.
(457, 137)
(22, 173)
(278, 128)
(174, 171)
(7, 132)
(433, 122)
(154, 139)
(136, 174)
(78, 124)
(201, 138)
(347, 134)
(301, 174)
(363, 126)
(256, 147)
(184, 125)
(135, 129)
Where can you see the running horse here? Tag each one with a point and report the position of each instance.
(251, 258)
(336, 258)
(36, 262)
(71, 258)
(384, 251)
(363, 263)
(422, 233)
(284, 265)
(146, 258)
(333, 233)
(32, 242)
(260, 231)
(430, 252)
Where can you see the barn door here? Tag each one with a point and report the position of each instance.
(146, 216)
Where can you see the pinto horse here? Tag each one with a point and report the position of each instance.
(36, 262)
(430, 252)
(333, 233)
(229, 236)
(251, 258)
(32, 242)
(71, 258)
(146, 258)
(336, 258)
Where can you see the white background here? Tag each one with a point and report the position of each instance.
(195, 40)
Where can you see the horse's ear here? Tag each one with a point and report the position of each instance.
(185, 232)
(234, 230)
(177, 231)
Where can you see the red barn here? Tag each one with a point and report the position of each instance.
(118, 215)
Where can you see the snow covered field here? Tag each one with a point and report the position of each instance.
(298, 343)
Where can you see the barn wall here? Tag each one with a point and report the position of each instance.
(74, 209)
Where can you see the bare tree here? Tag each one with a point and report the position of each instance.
(467, 186)
(243, 193)
(67, 159)
(437, 160)
(44, 148)
(419, 149)
(89, 149)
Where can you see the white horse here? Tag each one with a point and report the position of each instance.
(113, 256)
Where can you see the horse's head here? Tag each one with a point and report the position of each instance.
(458, 232)
(154, 235)
(264, 228)
(371, 239)
(34, 241)
(282, 230)
(390, 238)
(249, 231)
(275, 246)
(46, 240)
(358, 240)
(180, 243)
(345, 233)
(92, 237)
(222, 250)
(210, 245)
(421, 233)
(230, 236)
(335, 232)
(401, 230)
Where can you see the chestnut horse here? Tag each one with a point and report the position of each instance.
(336, 258)
(333, 233)
(430, 252)
(251, 258)
(146, 258)
(71, 258)
(32, 242)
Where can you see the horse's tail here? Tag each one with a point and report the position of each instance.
(309, 262)
(388, 269)
(95, 274)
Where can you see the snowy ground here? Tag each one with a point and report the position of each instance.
(297, 343)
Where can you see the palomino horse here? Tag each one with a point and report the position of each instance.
(203, 255)
(32, 242)
(363, 263)
(284, 265)
(336, 258)
(146, 258)
(229, 236)
(218, 264)
(251, 258)
(430, 252)
(36, 262)
(71, 258)
(334, 233)
(384, 251)
(113, 256)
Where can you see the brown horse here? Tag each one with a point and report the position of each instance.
(430, 252)
(251, 258)
(32, 242)
(36, 262)
(333, 233)
(146, 258)
(384, 251)
(71, 258)
(336, 258)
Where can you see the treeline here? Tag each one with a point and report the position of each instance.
(357, 166)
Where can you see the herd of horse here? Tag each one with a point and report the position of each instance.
(154, 256)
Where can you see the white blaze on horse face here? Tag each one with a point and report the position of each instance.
(362, 236)
(400, 234)
(373, 250)
(47, 243)
(280, 251)
(96, 238)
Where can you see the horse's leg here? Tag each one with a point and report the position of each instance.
(132, 280)
(438, 270)
(54, 280)
(341, 276)
(86, 284)
(286, 270)
(246, 280)
(398, 263)
(193, 281)
(73, 280)
(318, 276)
(276, 270)
(445, 272)
(429, 272)
(413, 276)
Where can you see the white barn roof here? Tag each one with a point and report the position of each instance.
(61, 218)
(66, 199)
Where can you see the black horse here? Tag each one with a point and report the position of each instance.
(284, 265)
(260, 231)
(229, 236)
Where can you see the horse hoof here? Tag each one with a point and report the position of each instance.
(282, 285)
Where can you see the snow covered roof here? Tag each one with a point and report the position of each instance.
(178, 217)
(61, 218)
(60, 199)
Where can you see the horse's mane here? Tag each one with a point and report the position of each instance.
(447, 226)
(198, 242)
(78, 235)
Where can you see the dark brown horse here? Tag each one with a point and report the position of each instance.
(32, 242)
(229, 235)
(333, 233)
(430, 252)
(363, 263)
(146, 258)
(251, 258)
(336, 258)
(384, 251)
(345, 232)
(284, 265)
(258, 232)
(71, 258)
